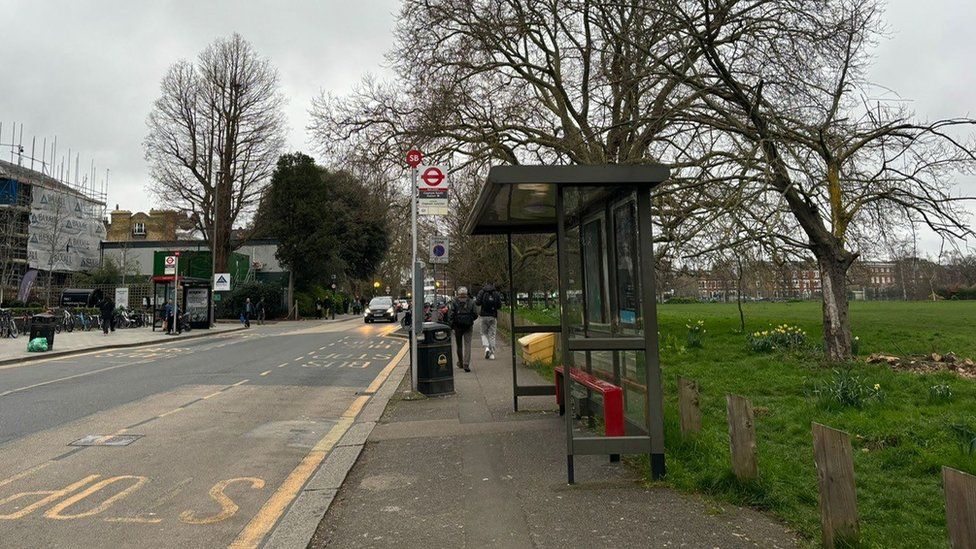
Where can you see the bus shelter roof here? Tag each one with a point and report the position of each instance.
(522, 199)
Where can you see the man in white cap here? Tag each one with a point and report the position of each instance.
(461, 317)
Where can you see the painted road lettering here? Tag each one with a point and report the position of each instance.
(57, 512)
(62, 500)
(227, 506)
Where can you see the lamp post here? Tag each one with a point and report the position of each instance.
(213, 247)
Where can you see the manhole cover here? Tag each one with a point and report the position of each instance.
(106, 440)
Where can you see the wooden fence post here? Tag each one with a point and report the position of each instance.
(835, 477)
(742, 437)
(960, 496)
(688, 406)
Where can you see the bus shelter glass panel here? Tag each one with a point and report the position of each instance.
(603, 293)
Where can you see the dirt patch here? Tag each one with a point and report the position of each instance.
(935, 362)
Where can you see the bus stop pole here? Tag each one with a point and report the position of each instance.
(416, 304)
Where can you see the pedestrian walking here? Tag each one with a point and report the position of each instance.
(318, 309)
(248, 312)
(261, 311)
(462, 315)
(107, 309)
(490, 301)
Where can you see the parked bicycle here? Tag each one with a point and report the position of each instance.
(8, 326)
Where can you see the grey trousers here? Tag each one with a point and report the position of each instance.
(463, 341)
(489, 326)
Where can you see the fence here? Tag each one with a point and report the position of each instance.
(834, 461)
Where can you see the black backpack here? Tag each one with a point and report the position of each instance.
(464, 314)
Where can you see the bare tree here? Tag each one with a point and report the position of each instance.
(11, 225)
(786, 80)
(53, 240)
(215, 134)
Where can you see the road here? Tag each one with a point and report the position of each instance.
(197, 443)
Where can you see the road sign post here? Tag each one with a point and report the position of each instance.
(414, 158)
(176, 295)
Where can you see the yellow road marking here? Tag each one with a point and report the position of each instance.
(227, 506)
(57, 512)
(134, 520)
(271, 512)
(239, 383)
(365, 365)
(381, 377)
(212, 395)
(283, 364)
(264, 373)
(171, 412)
(299, 359)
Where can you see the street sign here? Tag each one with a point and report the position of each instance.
(439, 249)
(122, 297)
(432, 190)
(169, 265)
(221, 282)
(414, 158)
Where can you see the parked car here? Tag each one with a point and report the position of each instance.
(380, 308)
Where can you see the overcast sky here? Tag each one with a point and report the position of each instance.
(89, 71)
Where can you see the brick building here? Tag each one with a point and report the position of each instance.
(157, 225)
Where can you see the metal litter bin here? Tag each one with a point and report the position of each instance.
(435, 374)
(42, 325)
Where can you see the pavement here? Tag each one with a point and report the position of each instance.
(219, 441)
(68, 343)
(466, 471)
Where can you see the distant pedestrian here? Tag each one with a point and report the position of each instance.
(490, 301)
(261, 311)
(318, 309)
(107, 309)
(168, 317)
(248, 312)
(461, 316)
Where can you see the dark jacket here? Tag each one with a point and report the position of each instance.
(106, 307)
(462, 314)
(490, 301)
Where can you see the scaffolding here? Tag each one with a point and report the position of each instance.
(45, 167)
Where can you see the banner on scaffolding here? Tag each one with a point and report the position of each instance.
(65, 231)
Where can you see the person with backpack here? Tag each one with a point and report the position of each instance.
(106, 309)
(490, 301)
(461, 317)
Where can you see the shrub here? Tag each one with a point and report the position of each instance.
(847, 389)
(782, 337)
(682, 300)
(696, 334)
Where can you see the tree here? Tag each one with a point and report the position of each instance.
(516, 81)
(215, 134)
(325, 222)
(786, 82)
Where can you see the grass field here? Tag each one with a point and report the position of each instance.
(900, 440)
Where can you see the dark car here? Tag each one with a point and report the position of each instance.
(380, 308)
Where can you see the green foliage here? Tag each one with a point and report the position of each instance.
(232, 304)
(326, 222)
(109, 272)
(940, 393)
(696, 334)
(682, 300)
(847, 389)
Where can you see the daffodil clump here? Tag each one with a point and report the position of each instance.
(783, 336)
(696, 334)
(845, 388)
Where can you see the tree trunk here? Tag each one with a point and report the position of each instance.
(291, 295)
(836, 317)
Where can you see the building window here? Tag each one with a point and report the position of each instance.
(139, 228)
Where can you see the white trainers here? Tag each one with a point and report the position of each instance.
(491, 355)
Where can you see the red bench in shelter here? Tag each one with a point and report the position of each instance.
(613, 398)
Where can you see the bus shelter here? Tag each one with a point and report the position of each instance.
(601, 219)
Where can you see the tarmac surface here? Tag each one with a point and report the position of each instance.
(466, 471)
(187, 443)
